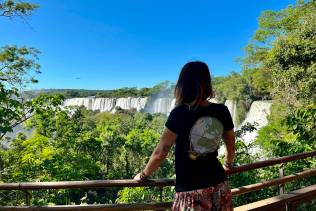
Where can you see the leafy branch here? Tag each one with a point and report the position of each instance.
(11, 9)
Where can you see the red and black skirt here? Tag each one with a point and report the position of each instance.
(216, 197)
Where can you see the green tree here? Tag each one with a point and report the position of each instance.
(17, 66)
(12, 9)
(292, 61)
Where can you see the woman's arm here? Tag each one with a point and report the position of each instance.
(167, 140)
(229, 140)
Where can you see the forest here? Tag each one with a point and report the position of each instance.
(77, 144)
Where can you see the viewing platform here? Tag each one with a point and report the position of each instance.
(284, 201)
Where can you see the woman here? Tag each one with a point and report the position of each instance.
(196, 126)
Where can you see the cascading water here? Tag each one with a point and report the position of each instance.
(103, 104)
(257, 115)
(107, 104)
(131, 103)
(162, 105)
(232, 107)
(86, 102)
(159, 105)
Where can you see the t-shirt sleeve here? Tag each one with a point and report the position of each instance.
(174, 122)
(227, 119)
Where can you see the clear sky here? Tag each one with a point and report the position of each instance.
(108, 44)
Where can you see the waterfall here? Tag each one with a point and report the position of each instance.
(257, 114)
(103, 104)
(232, 107)
(162, 105)
(86, 102)
(159, 105)
(131, 103)
(108, 104)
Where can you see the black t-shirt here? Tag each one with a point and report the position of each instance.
(200, 131)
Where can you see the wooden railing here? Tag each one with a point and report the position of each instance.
(29, 186)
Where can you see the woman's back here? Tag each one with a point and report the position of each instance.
(199, 133)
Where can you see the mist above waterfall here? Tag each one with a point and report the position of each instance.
(162, 101)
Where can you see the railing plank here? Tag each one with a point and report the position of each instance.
(86, 184)
(265, 163)
(148, 183)
(106, 207)
(151, 183)
(285, 179)
(278, 202)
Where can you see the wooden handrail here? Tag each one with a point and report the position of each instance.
(94, 207)
(86, 184)
(287, 201)
(265, 163)
(27, 186)
(269, 183)
(274, 203)
(148, 183)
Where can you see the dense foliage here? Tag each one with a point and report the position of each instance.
(81, 145)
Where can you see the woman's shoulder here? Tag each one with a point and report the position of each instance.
(179, 109)
(184, 108)
(219, 106)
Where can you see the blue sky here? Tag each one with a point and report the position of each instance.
(108, 44)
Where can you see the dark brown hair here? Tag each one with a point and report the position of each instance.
(194, 84)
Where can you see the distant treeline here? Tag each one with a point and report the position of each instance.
(162, 89)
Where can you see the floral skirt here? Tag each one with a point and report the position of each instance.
(216, 197)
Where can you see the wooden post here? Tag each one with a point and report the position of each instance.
(160, 196)
(28, 197)
(281, 175)
(160, 190)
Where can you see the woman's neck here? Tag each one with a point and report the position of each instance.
(204, 103)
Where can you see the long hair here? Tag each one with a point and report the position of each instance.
(194, 84)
